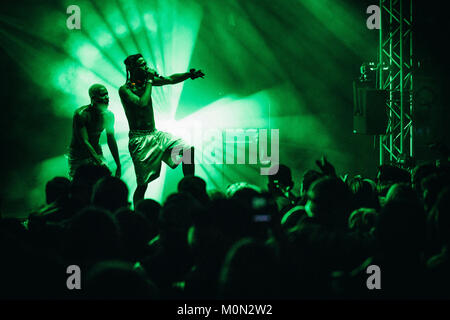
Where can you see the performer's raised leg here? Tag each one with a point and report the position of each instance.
(189, 166)
(139, 193)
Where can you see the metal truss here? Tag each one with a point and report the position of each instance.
(396, 77)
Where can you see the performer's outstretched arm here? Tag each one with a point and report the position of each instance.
(112, 144)
(177, 77)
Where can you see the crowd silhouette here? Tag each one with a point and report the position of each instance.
(243, 243)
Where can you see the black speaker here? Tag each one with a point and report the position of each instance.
(369, 110)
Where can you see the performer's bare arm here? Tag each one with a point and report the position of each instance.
(112, 144)
(173, 79)
(177, 77)
(142, 101)
(83, 134)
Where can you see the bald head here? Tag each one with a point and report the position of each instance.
(95, 90)
(98, 94)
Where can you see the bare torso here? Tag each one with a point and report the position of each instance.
(139, 117)
(94, 122)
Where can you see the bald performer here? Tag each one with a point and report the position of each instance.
(88, 124)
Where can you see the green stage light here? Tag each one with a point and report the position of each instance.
(150, 22)
(267, 69)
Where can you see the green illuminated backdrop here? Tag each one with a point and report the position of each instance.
(284, 65)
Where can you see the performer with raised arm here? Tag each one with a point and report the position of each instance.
(148, 146)
(88, 124)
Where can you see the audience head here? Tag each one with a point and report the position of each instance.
(135, 232)
(388, 175)
(362, 220)
(402, 192)
(364, 192)
(196, 187)
(84, 180)
(176, 217)
(419, 173)
(224, 222)
(400, 228)
(92, 235)
(216, 194)
(151, 210)
(308, 178)
(293, 217)
(110, 193)
(441, 216)
(281, 180)
(431, 186)
(329, 202)
(250, 271)
(232, 189)
(57, 189)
